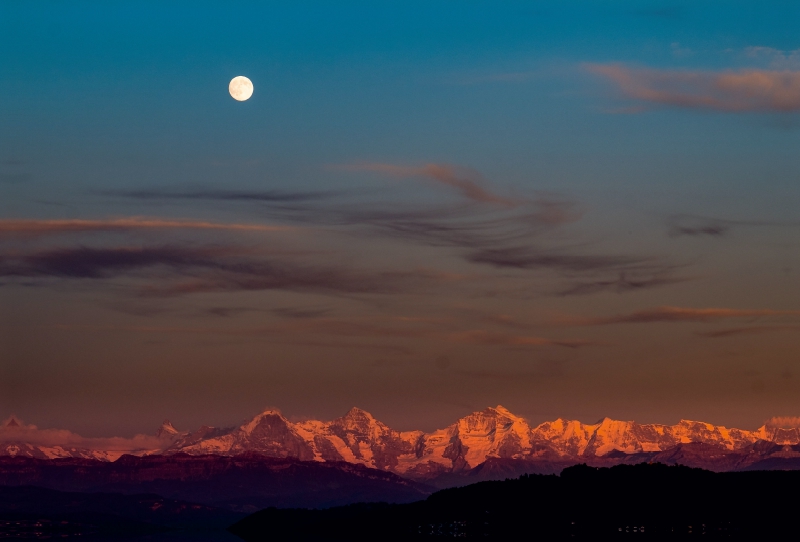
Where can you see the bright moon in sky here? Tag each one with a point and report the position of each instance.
(241, 88)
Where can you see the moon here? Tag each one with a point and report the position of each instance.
(241, 88)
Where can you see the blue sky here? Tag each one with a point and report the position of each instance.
(512, 173)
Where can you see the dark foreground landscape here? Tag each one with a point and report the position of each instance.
(644, 501)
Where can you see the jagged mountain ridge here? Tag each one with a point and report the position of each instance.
(39, 451)
(494, 433)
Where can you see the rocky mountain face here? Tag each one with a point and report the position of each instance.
(494, 434)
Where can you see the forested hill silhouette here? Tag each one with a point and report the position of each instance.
(644, 501)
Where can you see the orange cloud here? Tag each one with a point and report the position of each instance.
(47, 227)
(464, 180)
(680, 314)
(745, 90)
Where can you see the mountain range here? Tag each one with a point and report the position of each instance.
(482, 442)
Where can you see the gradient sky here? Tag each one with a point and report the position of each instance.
(572, 209)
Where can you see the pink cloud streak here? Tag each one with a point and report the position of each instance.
(47, 227)
(464, 180)
(735, 91)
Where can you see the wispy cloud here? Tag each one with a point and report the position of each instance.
(17, 431)
(466, 226)
(626, 282)
(466, 181)
(470, 225)
(484, 337)
(746, 330)
(778, 59)
(699, 226)
(587, 273)
(680, 314)
(176, 270)
(30, 227)
(264, 196)
(786, 422)
(734, 91)
(519, 240)
(533, 258)
(88, 262)
(524, 233)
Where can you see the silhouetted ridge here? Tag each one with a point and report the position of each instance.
(645, 501)
(245, 483)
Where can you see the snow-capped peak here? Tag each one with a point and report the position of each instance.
(495, 432)
(358, 416)
(503, 411)
(166, 430)
(269, 412)
(355, 411)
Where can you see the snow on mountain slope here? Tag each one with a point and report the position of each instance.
(567, 438)
(22, 449)
(494, 432)
(357, 437)
(572, 438)
(779, 435)
(20, 440)
(370, 441)
(39, 451)
(167, 430)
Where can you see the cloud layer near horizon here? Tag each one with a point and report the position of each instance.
(733, 91)
(13, 430)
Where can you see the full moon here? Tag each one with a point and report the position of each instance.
(241, 88)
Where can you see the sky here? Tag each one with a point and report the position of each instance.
(573, 209)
